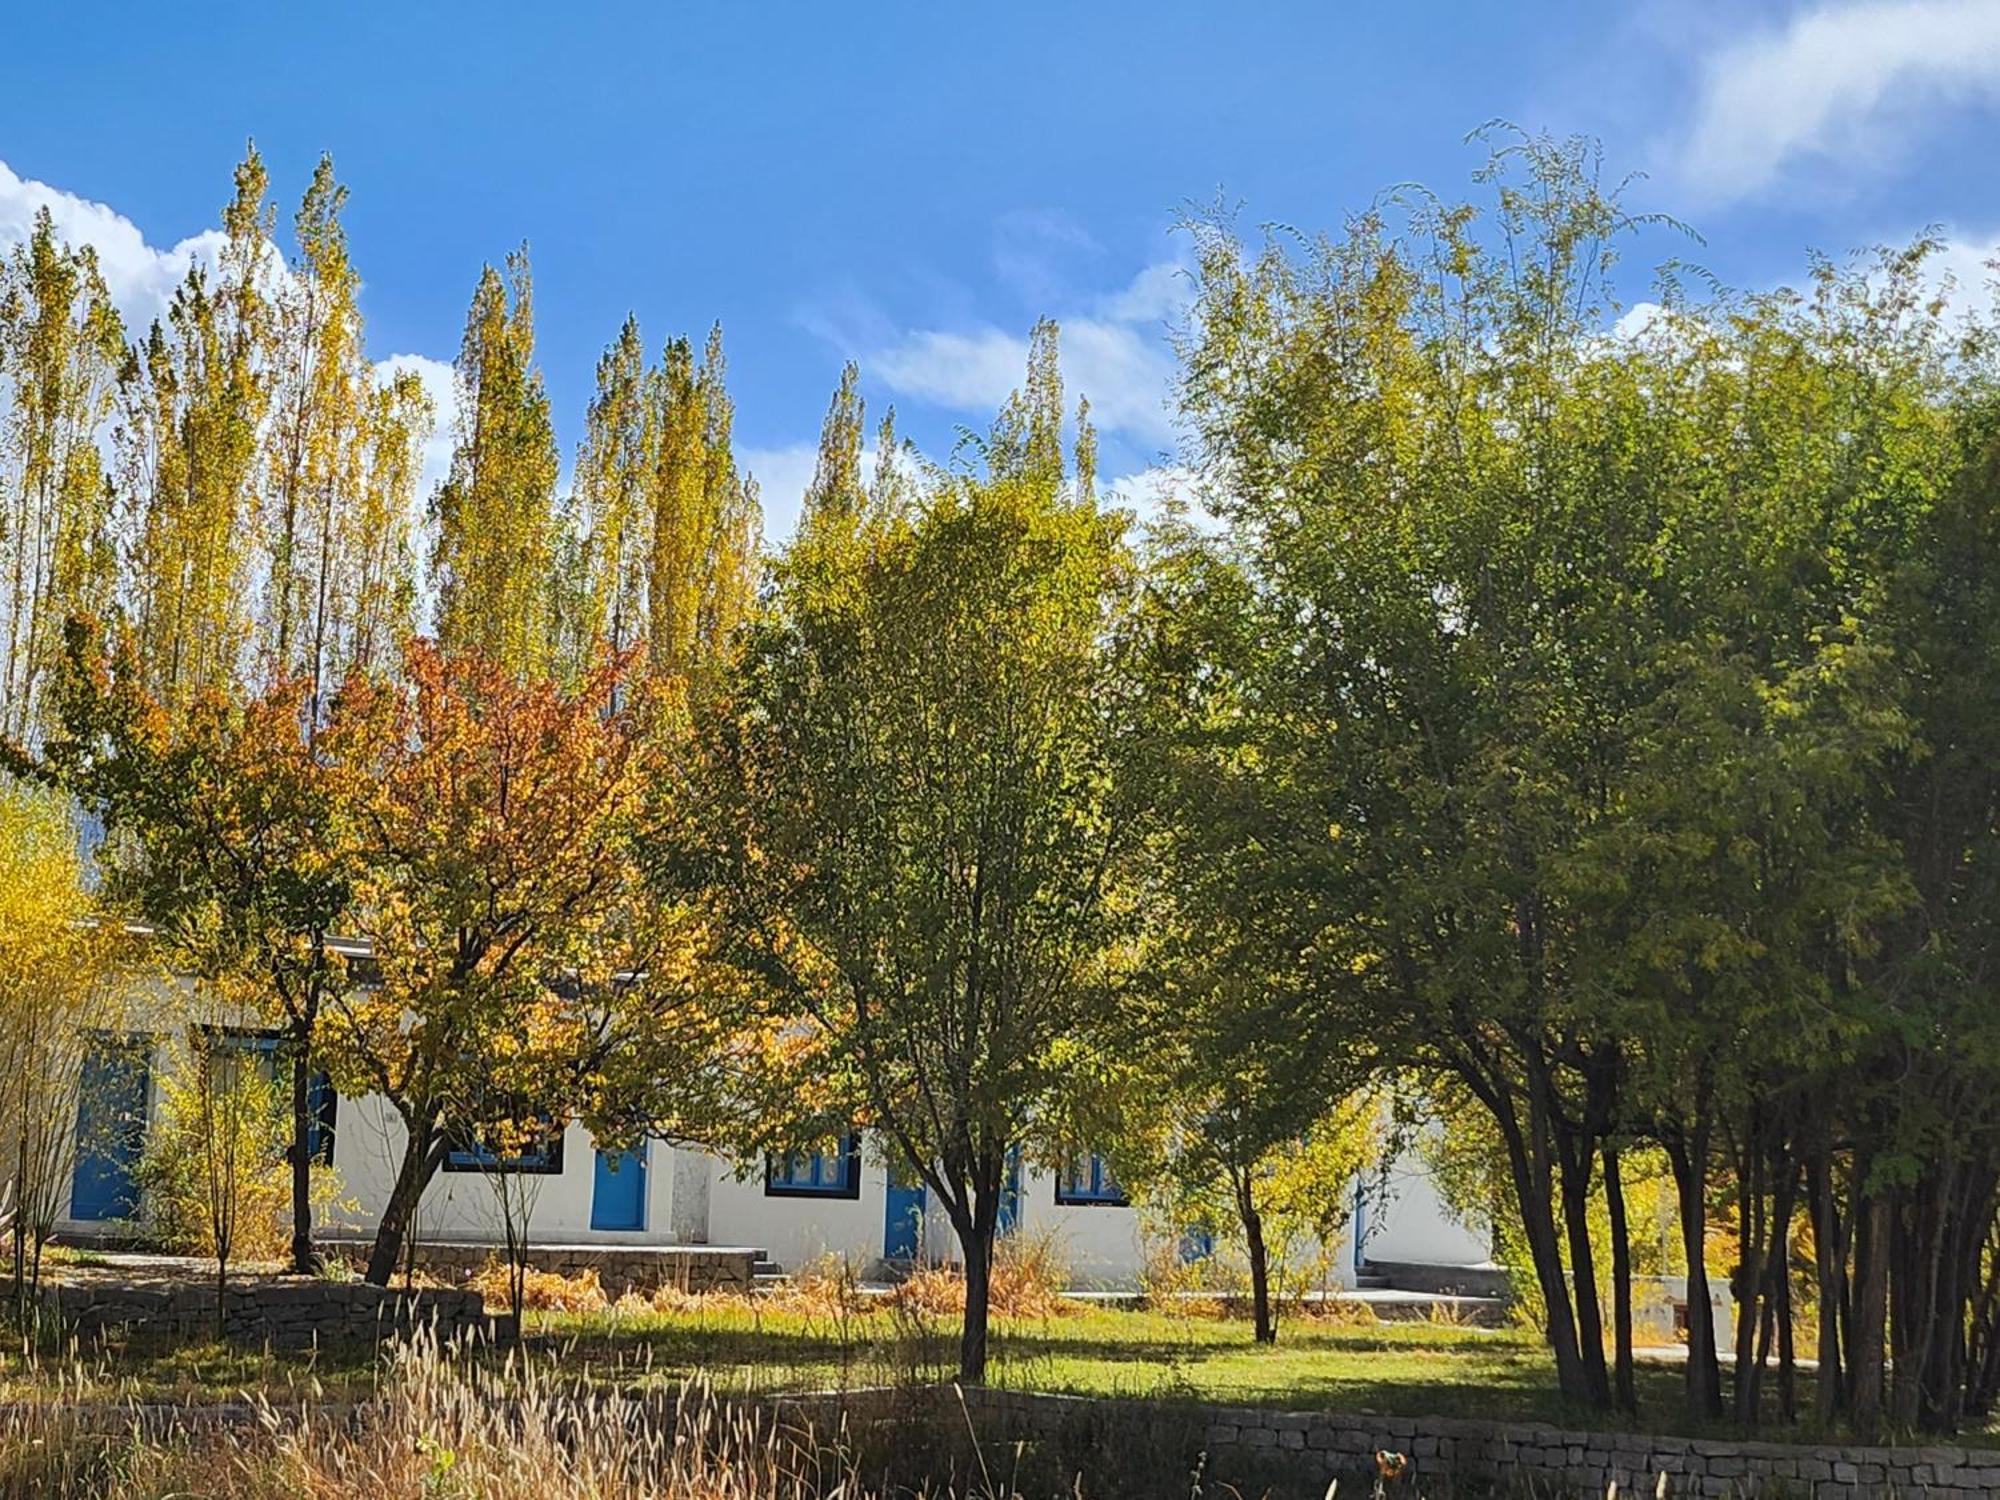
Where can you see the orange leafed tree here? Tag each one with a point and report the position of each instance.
(522, 980)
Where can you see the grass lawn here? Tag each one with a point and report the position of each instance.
(1404, 1369)
(1387, 1368)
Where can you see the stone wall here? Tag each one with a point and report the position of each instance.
(620, 1268)
(285, 1315)
(1295, 1454)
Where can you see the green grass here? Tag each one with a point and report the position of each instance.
(1390, 1368)
(1404, 1369)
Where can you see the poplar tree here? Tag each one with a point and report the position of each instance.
(61, 344)
(668, 527)
(193, 401)
(495, 550)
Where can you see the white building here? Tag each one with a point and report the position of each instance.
(843, 1203)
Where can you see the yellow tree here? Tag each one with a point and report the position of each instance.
(669, 528)
(57, 987)
(495, 546)
(60, 347)
(376, 611)
(193, 401)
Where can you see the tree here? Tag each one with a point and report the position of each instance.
(904, 822)
(1238, 1041)
(1508, 581)
(213, 1168)
(231, 834)
(193, 402)
(668, 528)
(340, 465)
(61, 345)
(514, 960)
(495, 546)
(59, 973)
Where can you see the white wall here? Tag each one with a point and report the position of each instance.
(1414, 1225)
(1100, 1243)
(368, 1145)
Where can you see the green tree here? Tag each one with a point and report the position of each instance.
(1506, 578)
(906, 819)
(231, 834)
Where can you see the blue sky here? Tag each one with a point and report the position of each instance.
(909, 185)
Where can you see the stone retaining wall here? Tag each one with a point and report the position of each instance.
(620, 1268)
(1322, 1445)
(1295, 1454)
(285, 1315)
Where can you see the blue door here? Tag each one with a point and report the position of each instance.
(903, 1218)
(110, 1129)
(618, 1192)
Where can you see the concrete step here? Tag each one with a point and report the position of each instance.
(1367, 1283)
(1478, 1282)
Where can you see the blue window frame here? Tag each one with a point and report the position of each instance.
(1087, 1181)
(816, 1174)
(322, 1102)
(476, 1156)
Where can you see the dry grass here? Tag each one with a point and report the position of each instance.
(541, 1291)
(1028, 1281)
(440, 1426)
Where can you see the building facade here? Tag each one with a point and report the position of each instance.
(845, 1203)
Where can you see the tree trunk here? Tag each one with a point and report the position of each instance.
(1871, 1314)
(1625, 1390)
(1534, 1195)
(1830, 1263)
(1689, 1158)
(305, 1259)
(975, 1238)
(1264, 1326)
(1583, 1276)
(423, 1149)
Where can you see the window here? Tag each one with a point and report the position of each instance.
(322, 1102)
(470, 1154)
(816, 1174)
(1196, 1244)
(1088, 1180)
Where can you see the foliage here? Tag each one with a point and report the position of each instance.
(904, 818)
(59, 987)
(214, 1170)
(667, 527)
(231, 835)
(519, 980)
(494, 553)
(60, 347)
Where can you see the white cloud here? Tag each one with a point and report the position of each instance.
(1836, 83)
(782, 475)
(140, 277)
(1147, 492)
(1967, 257)
(1115, 353)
